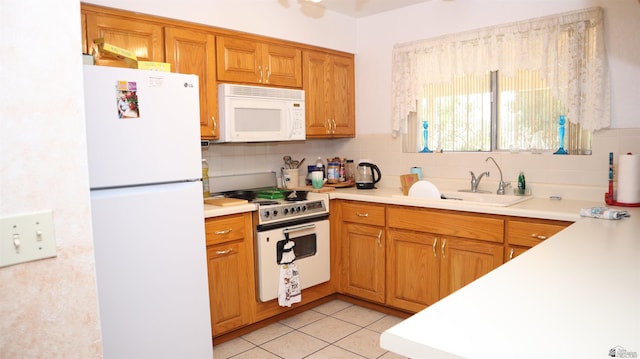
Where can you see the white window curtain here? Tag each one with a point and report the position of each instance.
(556, 46)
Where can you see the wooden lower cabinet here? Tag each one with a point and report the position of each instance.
(363, 265)
(413, 275)
(363, 247)
(463, 261)
(428, 260)
(231, 274)
(525, 233)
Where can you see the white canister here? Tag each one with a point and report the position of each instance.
(292, 177)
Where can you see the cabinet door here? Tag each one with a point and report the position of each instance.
(342, 117)
(141, 37)
(512, 251)
(228, 280)
(316, 82)
(463, 261)
(329, 89)
(193, 52)
(413, 269)
(238, 60)
(282, 65)
(363, 249)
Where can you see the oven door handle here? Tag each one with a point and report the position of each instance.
(299, 228)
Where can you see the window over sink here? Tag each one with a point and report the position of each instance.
(504, 88)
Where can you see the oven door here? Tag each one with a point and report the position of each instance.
(311, 250)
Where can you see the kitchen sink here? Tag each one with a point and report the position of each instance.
(490, 199)
(486, 199)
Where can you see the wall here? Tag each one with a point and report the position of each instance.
(48, 308)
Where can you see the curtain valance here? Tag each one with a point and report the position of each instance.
(567, 50)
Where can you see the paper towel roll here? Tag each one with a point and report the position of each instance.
(628, 179)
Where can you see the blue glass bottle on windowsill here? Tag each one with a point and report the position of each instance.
(425, 136)
(561, 123)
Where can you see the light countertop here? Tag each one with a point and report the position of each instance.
(544, 208)
(575, 295)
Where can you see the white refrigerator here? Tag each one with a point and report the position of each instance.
(143, 145)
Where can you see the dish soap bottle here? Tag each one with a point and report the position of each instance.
(522, 184)
(205, 179)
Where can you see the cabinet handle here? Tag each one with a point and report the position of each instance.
(362, 214)
(328, 126)
(379, 238)
(539, 236)
(268, 74)
(435, 244)
(214, 123)
(226, 251)
(511, 253)
(260, 70)
(334, 126)
(444, 243)
(225, 231)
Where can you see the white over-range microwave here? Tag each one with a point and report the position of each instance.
(260, 114)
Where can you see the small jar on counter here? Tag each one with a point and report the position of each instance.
(333, 172)
(350, 171)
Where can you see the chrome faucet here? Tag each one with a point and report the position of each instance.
(502, 185)
(476, 181)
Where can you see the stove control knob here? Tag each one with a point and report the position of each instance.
(285, 211)
(298, 209)
(304, 208)
(275, 212)
(266, 214)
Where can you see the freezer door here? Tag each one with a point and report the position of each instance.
(151, 269)
(142, 126)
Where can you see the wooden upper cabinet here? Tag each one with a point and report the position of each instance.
(330, 94)
(144, 38)
(253, 62)
(193, 52)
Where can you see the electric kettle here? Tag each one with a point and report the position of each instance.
(367, 175)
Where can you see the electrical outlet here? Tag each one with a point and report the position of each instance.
(26, 238)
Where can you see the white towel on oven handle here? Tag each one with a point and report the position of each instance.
(289, 285)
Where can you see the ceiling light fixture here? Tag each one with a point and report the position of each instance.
(314, 1)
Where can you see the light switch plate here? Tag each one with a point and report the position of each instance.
(27, 237)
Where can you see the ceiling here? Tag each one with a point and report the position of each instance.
(361, 8)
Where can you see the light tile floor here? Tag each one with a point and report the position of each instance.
(336, 329)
